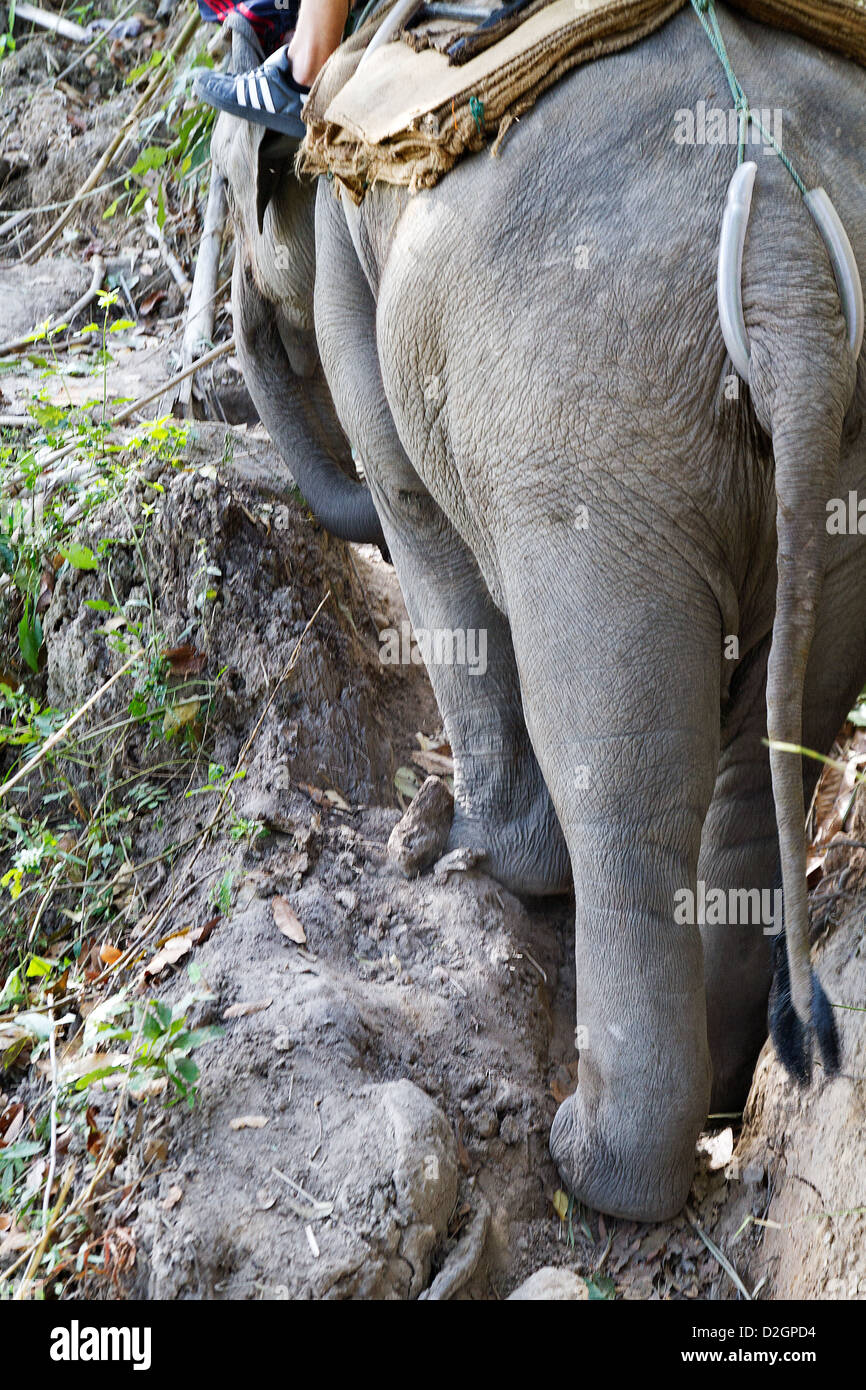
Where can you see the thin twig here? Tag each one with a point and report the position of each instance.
(52, 1162)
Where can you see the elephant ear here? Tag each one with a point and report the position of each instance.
(275, 154)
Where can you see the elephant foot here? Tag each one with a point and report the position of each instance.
(526, 856)
(618, 1165)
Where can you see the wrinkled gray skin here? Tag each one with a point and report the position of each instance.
(272, 303)
(494, 379)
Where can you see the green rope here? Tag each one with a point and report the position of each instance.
(706, 13)
(476, 109)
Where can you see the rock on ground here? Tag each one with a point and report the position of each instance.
(550, 1285)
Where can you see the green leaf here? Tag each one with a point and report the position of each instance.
(162, 1012)
(47, 415)
(110, 210)
(160, 208)
(30, 640)
(187, 1069)
(39, 967)
(601, 1287)
(197, 1037)
(152, 158)
(100, 605)
(138, 706)
(25, 1148)
(101, 1072)
(80, 557)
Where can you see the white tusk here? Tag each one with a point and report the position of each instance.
(403, 10)
(842, 258)
(735, 222)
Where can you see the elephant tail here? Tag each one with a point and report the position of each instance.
(807, 430)
(805, 383)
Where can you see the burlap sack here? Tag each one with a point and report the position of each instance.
(407, 116)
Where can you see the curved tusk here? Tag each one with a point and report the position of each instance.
(842, 258)
(735, 222)
(403, 10)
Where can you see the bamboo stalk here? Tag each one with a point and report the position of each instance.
(202, 301)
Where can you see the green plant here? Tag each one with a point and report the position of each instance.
(161, 1043)
(243, 829)
(221, 893)
(7, 39)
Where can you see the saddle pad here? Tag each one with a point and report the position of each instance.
(405, 117)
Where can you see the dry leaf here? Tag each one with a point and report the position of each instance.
(175, 948)
(248, 1122)
(288, 921)
(179, 715)
(560, 1203)
(11, 1123)
(16, 1240)
(185, 660)
(174, 1196)
(109, 954)
(201, 934)
(150, 301)
(95, 1136)
(256, 1006)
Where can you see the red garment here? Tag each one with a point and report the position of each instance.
(271, 23)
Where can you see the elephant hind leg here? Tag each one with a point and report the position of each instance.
(629, 753)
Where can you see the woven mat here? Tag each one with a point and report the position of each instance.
(407, 116)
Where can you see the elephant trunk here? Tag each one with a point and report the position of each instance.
(294, 410)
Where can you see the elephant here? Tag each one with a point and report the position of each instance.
(527, 359)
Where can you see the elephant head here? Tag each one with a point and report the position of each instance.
(272, 306)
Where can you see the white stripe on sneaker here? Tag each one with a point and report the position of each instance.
(266, 95)
(241, 94)
(254, 96)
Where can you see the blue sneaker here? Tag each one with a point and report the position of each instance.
(268, 95)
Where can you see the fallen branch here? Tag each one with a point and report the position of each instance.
(222, 351)
(64, 28)
(156, 83)
(36, 335)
